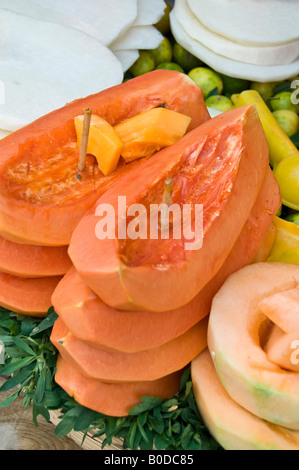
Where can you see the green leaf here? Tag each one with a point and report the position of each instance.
(9, 400)
(16, 365)
(147, 403)
(65, 426)
(85, 419)
(40, 387)
(16, 380)
(45, 324)
(23, 345)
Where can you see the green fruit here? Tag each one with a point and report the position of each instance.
(207, 79)
(232, 85)
(164, 24)
(288, 120)
(144, 64)
(220, 102)
(186, 60)
(287, 175)
(283, 100)
(293, 218)
(264, 89)
(170, 66)
(163, 53)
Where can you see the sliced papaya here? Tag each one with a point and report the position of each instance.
(236, 333)
(283, 348)
(91, 320)
(41, 197)
(114, 366)
(31, 297)
(233, 427)
(209, 166)
(266, 245)
(33, 261)
(109, 398)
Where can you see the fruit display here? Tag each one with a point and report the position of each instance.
(149, 239)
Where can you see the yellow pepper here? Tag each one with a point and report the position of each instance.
(284, 155)
(286, 245)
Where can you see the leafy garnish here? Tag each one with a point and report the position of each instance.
(30, 361)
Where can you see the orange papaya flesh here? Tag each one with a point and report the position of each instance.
(266, 245)
(209, 166)
(41, 198)
(111, 399)
(29, 297)
(30, 261)
(114, 366)
(283, 349)
(91, 320)
(149, 132)
(233, 427)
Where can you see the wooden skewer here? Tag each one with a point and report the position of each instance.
(84, 141)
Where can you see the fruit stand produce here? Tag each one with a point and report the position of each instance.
(184, 341)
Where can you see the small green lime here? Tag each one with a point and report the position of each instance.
(184, 58)
(288, 120)
(233, 86)
(144, 64)
(220, 102)
(163, 53)
(264, 89)
(170, 66)
(283, 100)
(164, 24)
(293, 218)
(207, 79)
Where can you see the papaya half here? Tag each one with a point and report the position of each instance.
(91, 320)
(29, 297)
(111, 399)
(238, 333)
(41, 197)
(115, 366)
(33, 261)
(220, 165)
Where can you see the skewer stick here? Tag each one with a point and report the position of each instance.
(84, 141)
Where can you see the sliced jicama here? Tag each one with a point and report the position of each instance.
(268, 55)
(38, 78)
(231, 67)
(101, 19)
(127, 58)
(149, 12)
(139, 37)
(252, 22)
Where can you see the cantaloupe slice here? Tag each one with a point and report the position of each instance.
(230, 424)
(149, 132)
(109, 398)
(235, 342)
(114, 366)
(209, 166)
(33, 261)
(31, 297)
(91, 320)
(282, 309)
(283, 349)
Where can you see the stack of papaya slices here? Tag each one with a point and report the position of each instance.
(108, 346)
(42, 197)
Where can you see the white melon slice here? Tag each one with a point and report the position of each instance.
(104, 20)
(139, 37)
(254, 22)
(149, 12)
(44, 65)
(231, 67)
(127, 58)
(268, 55)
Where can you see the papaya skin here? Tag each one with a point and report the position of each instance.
(108, 398)
(47, 213)
(30, 261)
(29, 297)
(91, 320)
(114, 366)
(111, 268)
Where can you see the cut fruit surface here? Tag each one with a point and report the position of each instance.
(109, 398)
(114, 366)
(208, 166)
(283, 349)
(282, 308)
(237, 332)
(91, 320)
(41, 198)
(231, 425)
(33, 261)
(31, 297)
